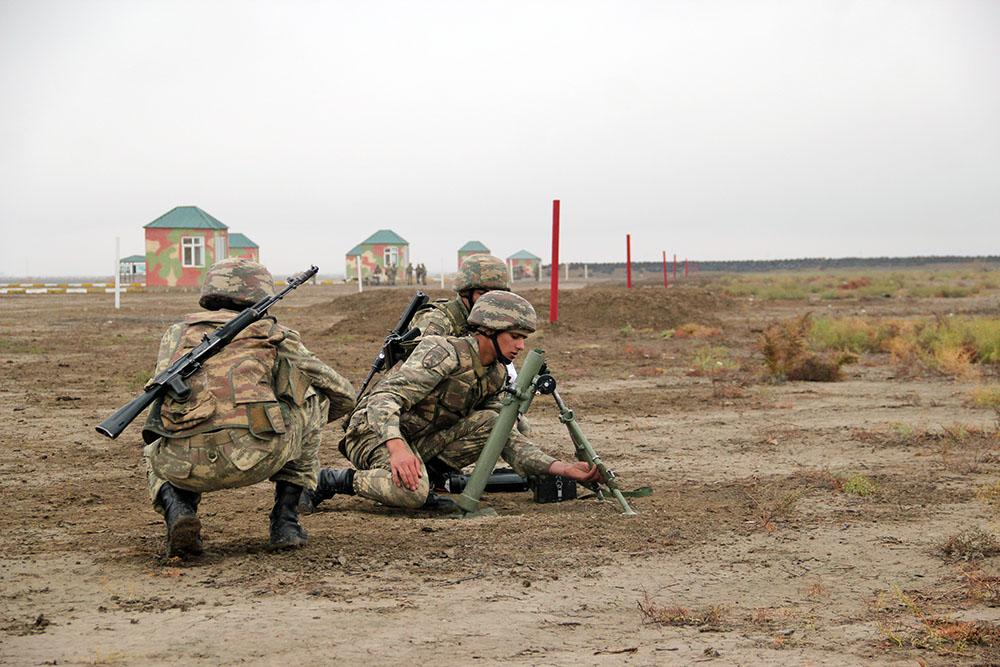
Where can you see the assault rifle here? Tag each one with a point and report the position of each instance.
(172, 379)
(533, 379)
(392, 346)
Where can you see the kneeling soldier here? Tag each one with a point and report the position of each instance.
(438, 407)
(255, 412)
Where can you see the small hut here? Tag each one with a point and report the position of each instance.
(241, 246)
(471, 248)
(132, 270)
(383, 249)
(181, 244)
(523, 265)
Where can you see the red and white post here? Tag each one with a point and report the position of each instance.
(554, 273)
(666, 280)
(628, 260)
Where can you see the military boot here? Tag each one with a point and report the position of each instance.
(286, 531)
(180, 512)
(331, 481)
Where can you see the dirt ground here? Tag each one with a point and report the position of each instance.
(748, 552)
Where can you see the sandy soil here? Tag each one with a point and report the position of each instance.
(748, 538)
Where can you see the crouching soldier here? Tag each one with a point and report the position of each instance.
(255, 412)
(438, 408)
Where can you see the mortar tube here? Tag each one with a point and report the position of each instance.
(487, 461)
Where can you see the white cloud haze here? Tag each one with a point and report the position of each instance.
(716, 130)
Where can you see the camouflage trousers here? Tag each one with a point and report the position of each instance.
(232, 458)
(457, 446)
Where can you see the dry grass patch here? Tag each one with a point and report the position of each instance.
(787, 356)
(676, 616)
(858, 485)
(966, 449)
(981, 587)
(712, 360)
(727, 390)
(768, 505)
(986, 396)
(695, 330)
(969, 545)
(919, 629)
(953, 346)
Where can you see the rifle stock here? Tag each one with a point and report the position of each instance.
(401, 333)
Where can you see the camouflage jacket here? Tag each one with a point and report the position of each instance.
(441, 382)
(442, 317)
(294, 374)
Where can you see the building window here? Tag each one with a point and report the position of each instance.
(391, 256)
(192, 251)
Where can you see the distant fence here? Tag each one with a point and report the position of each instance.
(67, 288)
(99, 288)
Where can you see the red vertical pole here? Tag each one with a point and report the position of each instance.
(675, 266)
(685, 267)
(554, 295)
(666, 281)
(628, 260)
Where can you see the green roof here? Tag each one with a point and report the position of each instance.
(237, 240)
(185, 217)
(523, 254)
(384, 237)
(473, 246)
(132, 259)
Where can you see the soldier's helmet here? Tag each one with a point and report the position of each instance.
(503, 311)
(484, 272)
(235, 283)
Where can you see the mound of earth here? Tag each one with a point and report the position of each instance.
(374, 312)
(642, 308)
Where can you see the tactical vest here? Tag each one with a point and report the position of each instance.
(456, 313)
(232, 390)
(456, 396)
(452, 309)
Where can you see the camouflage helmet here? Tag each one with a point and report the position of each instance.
(503, 311)
(484, 272)
(235, 283)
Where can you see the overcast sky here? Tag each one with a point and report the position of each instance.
(713, 129)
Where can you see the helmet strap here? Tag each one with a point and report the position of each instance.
(496, 348)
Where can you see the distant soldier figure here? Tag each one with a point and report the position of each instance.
(409, 273)
(422, 278)
(377, 274)
(391, 273)
(256, 411)
(438, 408)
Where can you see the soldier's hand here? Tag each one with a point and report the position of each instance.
(579, 471)
(407, 469)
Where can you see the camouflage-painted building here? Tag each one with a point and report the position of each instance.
(471, 248)
(181, 244)
(241, 246)
(382, 248)
(524, 265)
(132, 269)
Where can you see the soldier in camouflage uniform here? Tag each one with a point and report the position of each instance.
(478, 275)
(439, 407)
(256, 412)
